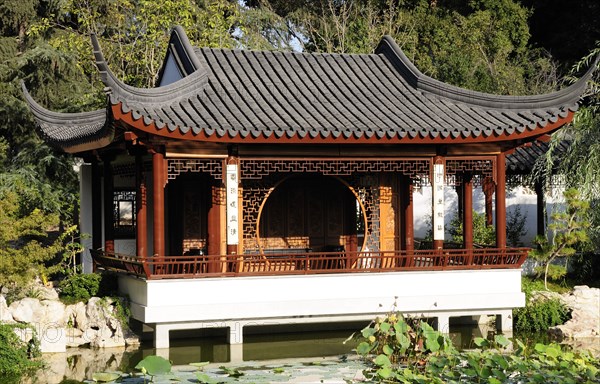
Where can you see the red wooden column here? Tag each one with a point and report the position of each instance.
(141, 209)
(407, 241)
(467, 192)
(488, 191)
(158, 200)
(109, 232)
(501, 200)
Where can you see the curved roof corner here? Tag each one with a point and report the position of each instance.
(567, 97)
(118, 91)
(72, 132)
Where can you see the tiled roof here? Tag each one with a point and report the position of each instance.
(523, 159)
(74, 132)
(249, 94)
(229, 95)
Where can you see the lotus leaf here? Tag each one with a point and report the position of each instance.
(154, 365)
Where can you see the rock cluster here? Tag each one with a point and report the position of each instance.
(584, 303)
(58, 326)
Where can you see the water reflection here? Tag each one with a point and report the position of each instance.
(278, 343)
(79, 364)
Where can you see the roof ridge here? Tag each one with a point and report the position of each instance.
(39, 111)
(566, 96)
(118, 90)
(73, 132)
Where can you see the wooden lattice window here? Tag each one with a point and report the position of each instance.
(124, 217)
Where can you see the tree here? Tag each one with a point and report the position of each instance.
(568, 29)
(569, 229)
(580, 164)
(134, 33)
(481, 45)
(24, 249)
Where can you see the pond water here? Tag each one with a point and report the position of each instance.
(263, 346)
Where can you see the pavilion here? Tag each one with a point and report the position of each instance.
(251, 187)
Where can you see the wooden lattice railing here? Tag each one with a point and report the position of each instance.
(180, 267)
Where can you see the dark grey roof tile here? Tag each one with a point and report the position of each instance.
(72, 132)
(255, 93)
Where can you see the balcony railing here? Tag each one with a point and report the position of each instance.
(302, 263)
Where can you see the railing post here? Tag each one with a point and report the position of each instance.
(469, 258)
(146, 267)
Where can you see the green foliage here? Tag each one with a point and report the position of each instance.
(481, 44)
(24, 244)
(134, 33)
(489, 364)
(15, 356)
(569, 229)
(483, 234)
(204, 378)
(515, 226)
(539, 314)
(105, 377)
(393, 340)
(580, 164)
(80, 287)
(530, 285)
(231, 372)
(555, 272)
(121, 310)
(154, 365)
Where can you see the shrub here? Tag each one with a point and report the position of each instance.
(555, 272)
(15, 355)
(394, 339)
(540, 314)
(80, 287)
(482, 233)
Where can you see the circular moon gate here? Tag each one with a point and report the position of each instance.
(320, 213)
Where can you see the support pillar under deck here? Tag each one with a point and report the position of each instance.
(504, 321)
(161, 336)
(443, 323)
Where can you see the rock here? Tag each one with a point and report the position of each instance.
(75, 338)
(5, 315)
(24, 334)
(585, 317)
(76, 317)
(27, 310)
(53, 339)
(98, 311)
(53, 313)
(89, 335)
(109, 338)
(131, 338)
(58, 326)
(47, 293)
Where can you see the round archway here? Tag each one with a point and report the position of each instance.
(317, 212)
